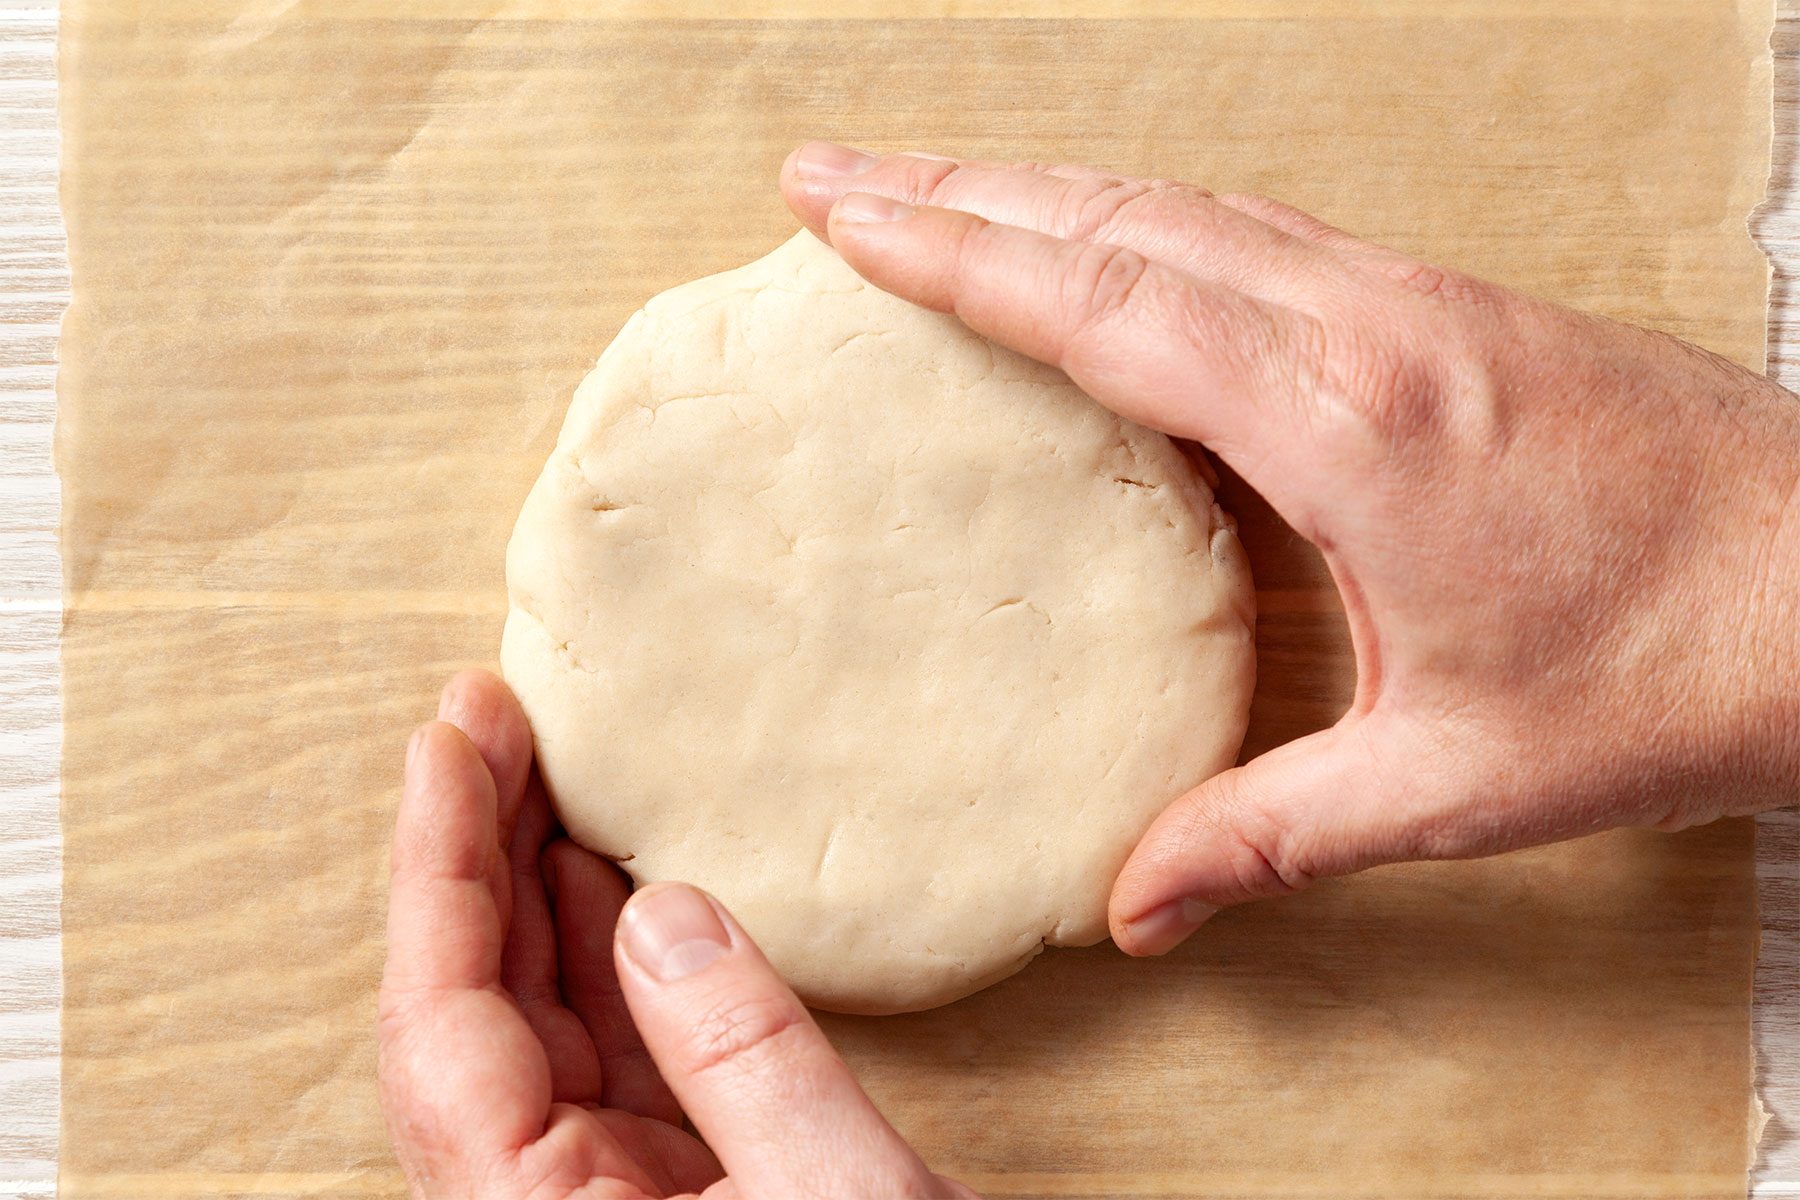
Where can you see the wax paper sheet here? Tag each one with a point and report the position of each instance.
(337, 267)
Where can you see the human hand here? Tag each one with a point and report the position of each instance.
(526, 1053)
(1569, 549)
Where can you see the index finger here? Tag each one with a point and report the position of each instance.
(1146, 340)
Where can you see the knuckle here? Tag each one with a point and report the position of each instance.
(1191, 191)
(1273, 212)
(1091, 206)
(1372, 387)
(1098, 208)
(1102, 281)
(736, 1033)
(1420, 278)
(1250, 201)
(1264, 858)
(1433, 282)
(939, 184)
(1261, 857)
(1395, 399)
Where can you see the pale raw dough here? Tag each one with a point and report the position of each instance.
(890, 638)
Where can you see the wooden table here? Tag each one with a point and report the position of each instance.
(33, 289)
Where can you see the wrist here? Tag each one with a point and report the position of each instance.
(1764, 711)
(1780, 676)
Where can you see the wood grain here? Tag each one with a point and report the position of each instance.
(32, 288)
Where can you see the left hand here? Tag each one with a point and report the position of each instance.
(527, 1053)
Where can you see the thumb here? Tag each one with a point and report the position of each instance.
(1315, 807)
(750, 1066)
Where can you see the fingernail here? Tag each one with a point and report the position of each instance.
(672, 932)
(412, 745)
(925, 156)
(828, 160)
(867, 209)
(1165, 927)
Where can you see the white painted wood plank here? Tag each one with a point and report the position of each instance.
(33, 288)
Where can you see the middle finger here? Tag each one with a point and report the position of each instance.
(528, 967)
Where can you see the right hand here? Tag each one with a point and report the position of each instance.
(1569, 549)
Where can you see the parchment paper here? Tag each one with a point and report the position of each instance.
(337, 267)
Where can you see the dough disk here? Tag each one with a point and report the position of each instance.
(890, 638)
